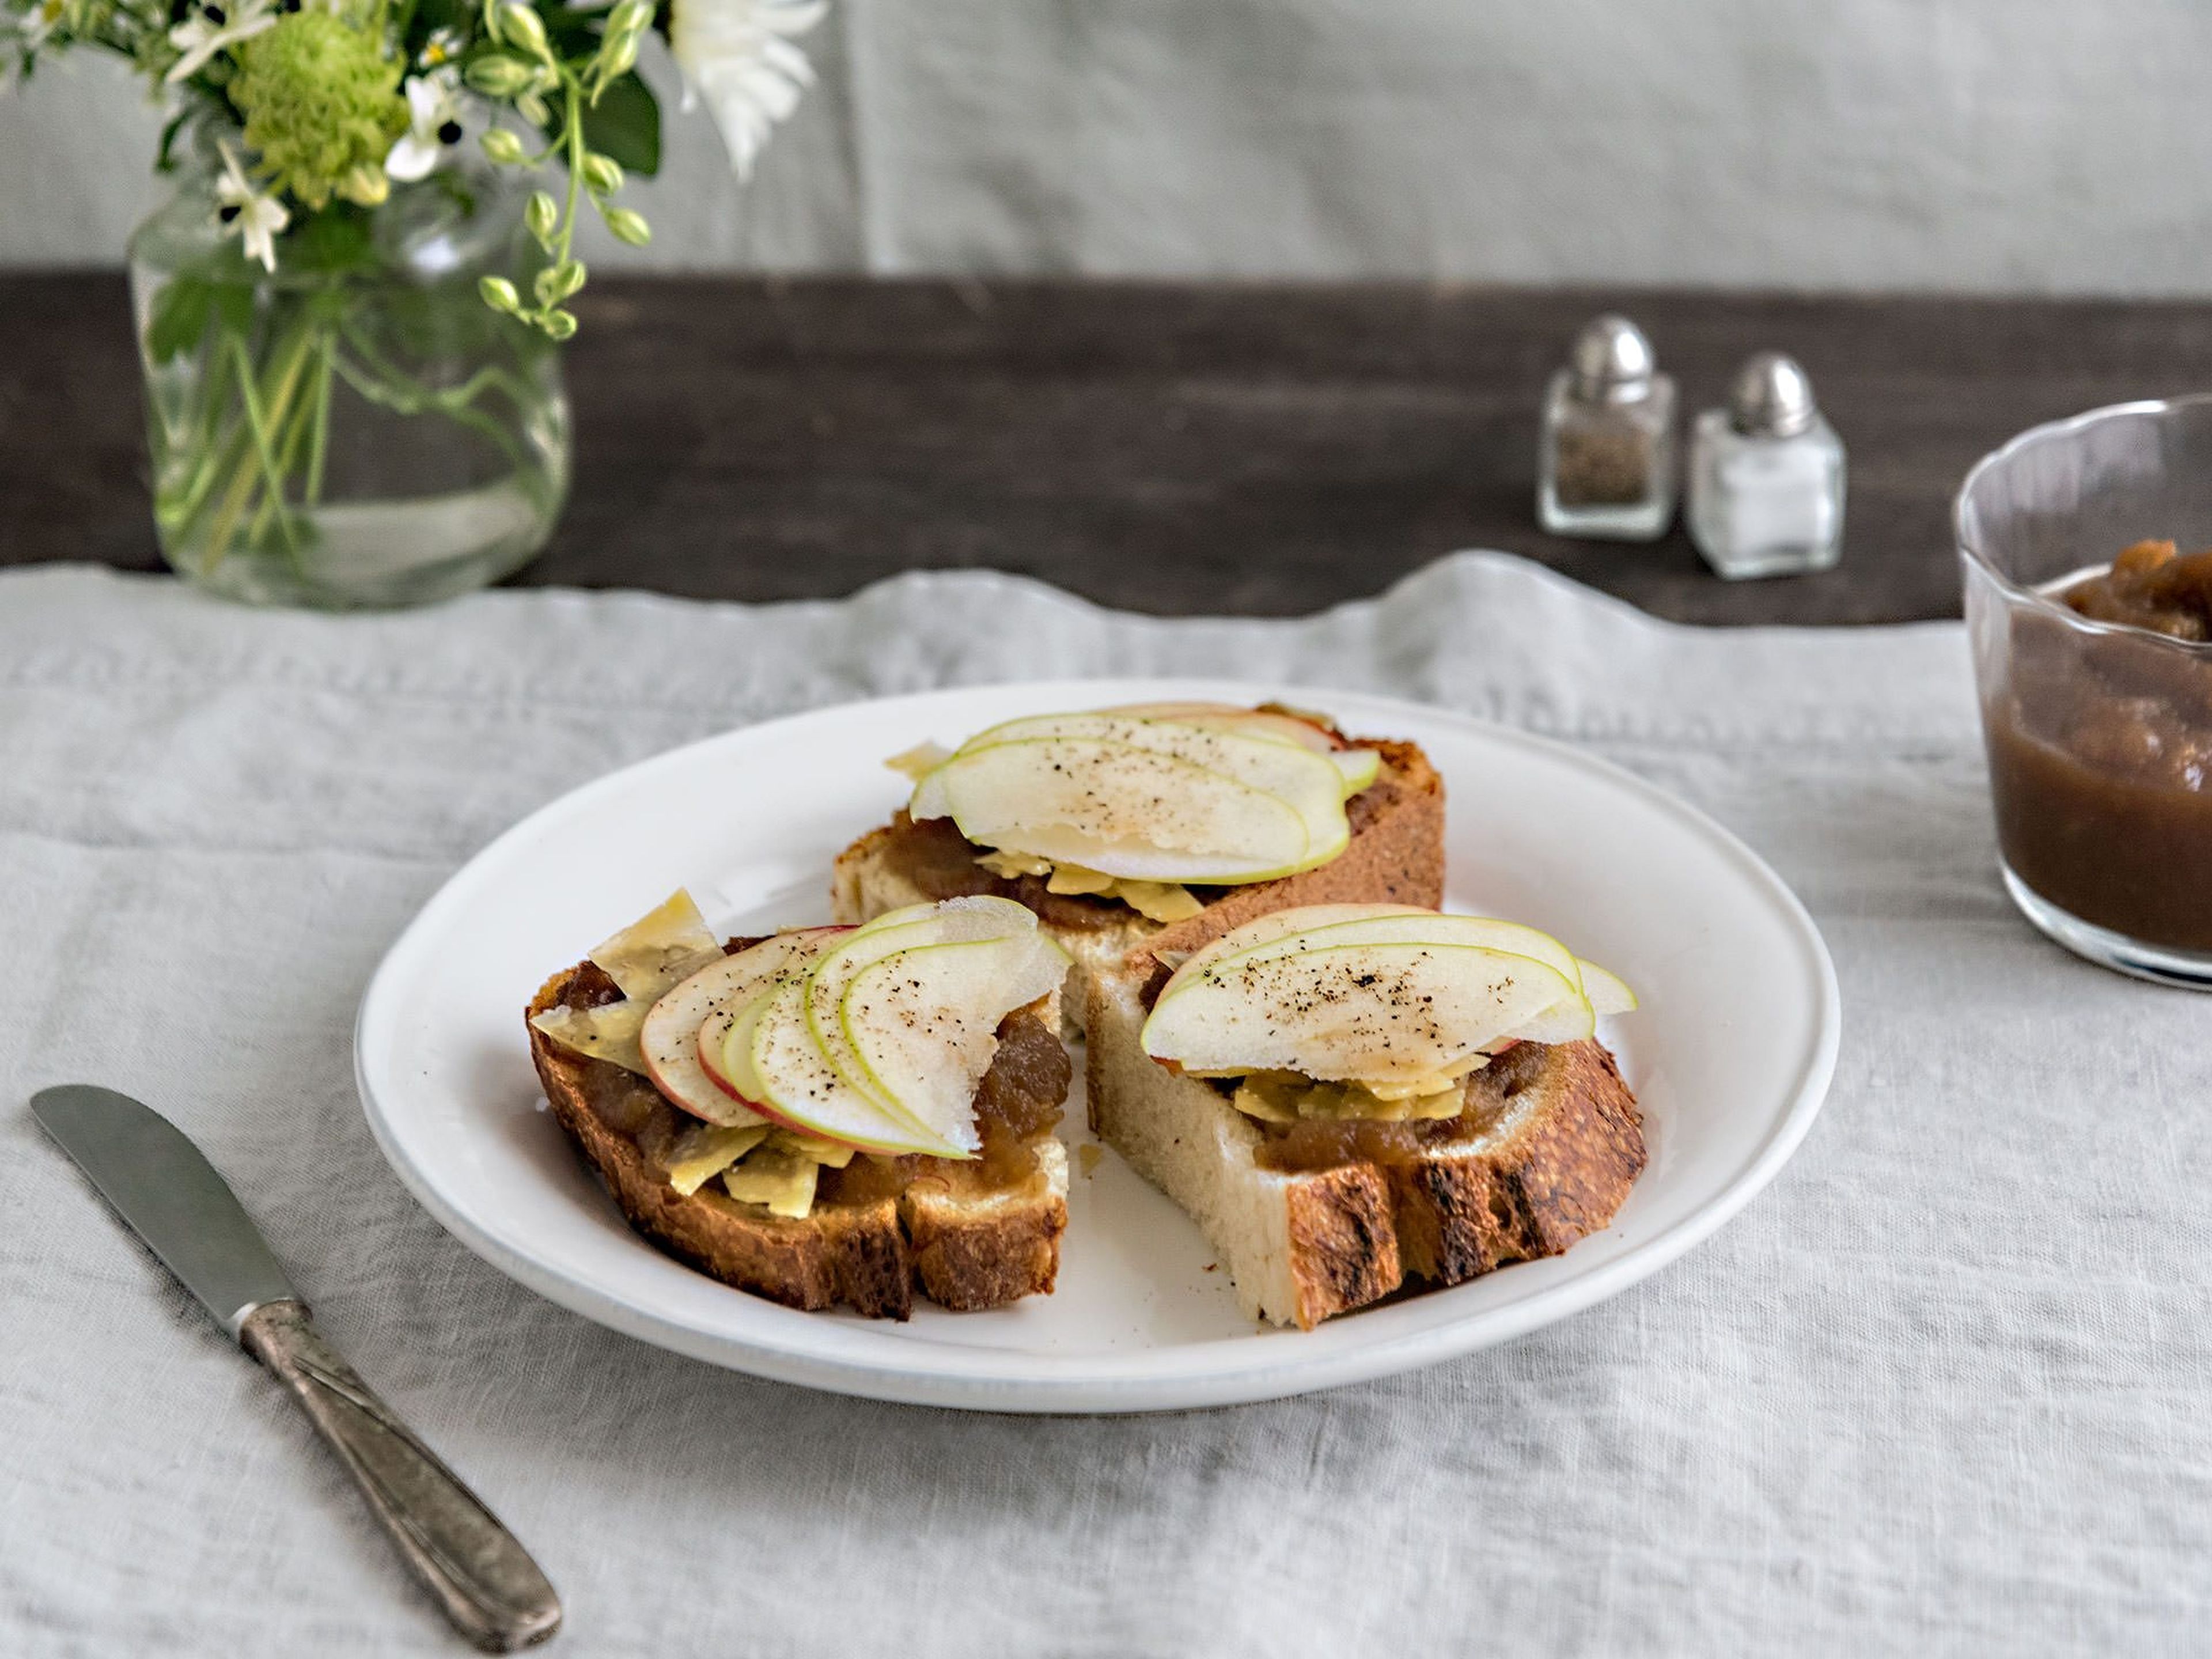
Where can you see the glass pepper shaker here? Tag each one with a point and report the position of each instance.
(1766, 476)
(1607, 464)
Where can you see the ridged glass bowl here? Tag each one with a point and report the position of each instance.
(2100, 733)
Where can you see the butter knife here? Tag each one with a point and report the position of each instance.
(159, 1182)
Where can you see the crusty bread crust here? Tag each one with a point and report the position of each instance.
(1560, 1144)
(1396, 856)
(962, 1253)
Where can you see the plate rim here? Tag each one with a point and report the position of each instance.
(1133, 1382)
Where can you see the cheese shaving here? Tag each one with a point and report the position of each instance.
(660, 950)
(703, 1153)
(831, 1154)
(1289, 1097)
(917, 763)
(1010, 866)
(1156, 901)
(778, 1179)
(1074, 879)
(609, 1032)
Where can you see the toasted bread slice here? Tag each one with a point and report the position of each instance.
(966, 1234)
(1311, 1220)
(1396, 856)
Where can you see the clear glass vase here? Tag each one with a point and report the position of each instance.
(356, 428)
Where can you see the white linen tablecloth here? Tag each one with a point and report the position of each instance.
(1946, 1387)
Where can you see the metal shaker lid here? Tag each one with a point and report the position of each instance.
(1611, 362)
(1771, 397)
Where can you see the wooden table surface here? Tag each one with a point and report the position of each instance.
(1169, 447)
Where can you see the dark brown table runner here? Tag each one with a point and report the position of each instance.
(1165, 447)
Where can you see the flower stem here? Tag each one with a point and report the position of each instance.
(284, 377)
(572, 135)
(319, 447)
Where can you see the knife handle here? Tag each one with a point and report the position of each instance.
(483, 1579)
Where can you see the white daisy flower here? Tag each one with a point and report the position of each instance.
(213, 29)
(444, 46)
(738, 55)
(434, 126)
(254, 215)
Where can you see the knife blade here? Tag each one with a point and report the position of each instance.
(173, 1198)
(162, 1185)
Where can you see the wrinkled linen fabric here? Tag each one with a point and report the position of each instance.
(1940, 1390)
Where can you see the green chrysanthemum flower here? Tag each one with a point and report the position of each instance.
(322, 105)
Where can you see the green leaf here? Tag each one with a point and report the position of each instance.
(426, 17)
(233, 304)
(625, 125)
(164, 161)
(574, 31)
(340, 238)
(184, 310)
(180, 316)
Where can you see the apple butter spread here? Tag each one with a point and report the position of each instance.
(2151, 585)
(1019, 1099)
(1328, 1143)
(2100, 748)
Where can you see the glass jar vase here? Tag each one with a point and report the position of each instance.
(356, 427)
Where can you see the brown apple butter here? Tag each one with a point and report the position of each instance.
(2100, 749)
(1331, 1143)
(1019, 1098)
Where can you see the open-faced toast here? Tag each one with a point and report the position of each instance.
(1312, 1220)
(1395, 853)
(965, 1232)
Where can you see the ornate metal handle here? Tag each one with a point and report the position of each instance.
(485, 1581)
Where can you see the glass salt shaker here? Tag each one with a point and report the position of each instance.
(1607, 465)
(1766, 476)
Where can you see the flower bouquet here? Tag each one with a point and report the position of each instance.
(350, 310)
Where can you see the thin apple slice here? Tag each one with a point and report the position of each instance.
(1570, 1019)
(1598, 992)
(1002, 914)
(1608, 993)
(670, 1038)
(1306, 929)
(799, 1086)
(726, 1039)
(828, 978)
(1197, 807)
(924, 1021)
(1359, 767)
(1238, 748)
(1276, 924)
(1234, 717)
(1352, 1011)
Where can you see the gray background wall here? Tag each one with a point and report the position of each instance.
(2032, 145)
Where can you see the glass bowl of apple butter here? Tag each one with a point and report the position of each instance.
(2087, 546)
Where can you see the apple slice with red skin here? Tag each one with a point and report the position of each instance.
(670, 1036)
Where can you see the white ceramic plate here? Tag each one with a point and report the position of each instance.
(1730, 1056)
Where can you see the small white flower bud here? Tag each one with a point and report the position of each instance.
(522, 27)
(628, 226)
(543, 215)
(603, 173)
